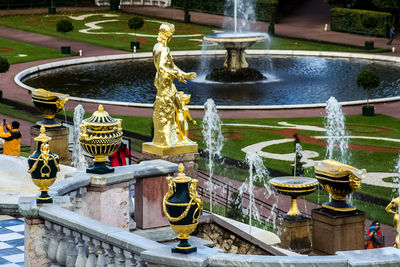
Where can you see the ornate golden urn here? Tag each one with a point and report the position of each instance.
(294, 187)
(100, 136)
(43, 167)
(339, 180)
(49, 104)
(183, 207)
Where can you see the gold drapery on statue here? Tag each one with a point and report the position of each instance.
(170, 112)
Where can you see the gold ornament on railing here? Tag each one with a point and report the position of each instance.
(43, 167)
(183, 206)
(49, 104)
(100, 136)
(339, 180)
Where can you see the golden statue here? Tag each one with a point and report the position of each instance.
(169, 135)
(393, 207)
(182, 116)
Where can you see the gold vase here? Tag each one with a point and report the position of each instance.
(100, 136)
(339, 180)
(183, 207)
(49, 104)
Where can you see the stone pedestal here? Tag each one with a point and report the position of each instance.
(106, 199)
(58, 143)
(35, 253)
(333, 232)
(189, 160)
(295, 235)
(149, 194)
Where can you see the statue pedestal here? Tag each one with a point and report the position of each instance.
(295, 235)
(333, 232)
(58, 143)
(188, 155)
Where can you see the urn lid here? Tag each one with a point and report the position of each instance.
(44, 94)
(42, 137)
(181, 178)
(101, 118)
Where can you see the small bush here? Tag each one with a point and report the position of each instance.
(4, 65)
(368, 79)
(357, 21)
(114, 5)
(64, 26)
(135, 23)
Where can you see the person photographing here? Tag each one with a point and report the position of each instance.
(12, 138)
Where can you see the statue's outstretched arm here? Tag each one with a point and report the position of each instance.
(389, 207)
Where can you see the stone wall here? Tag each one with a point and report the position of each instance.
(226, 240)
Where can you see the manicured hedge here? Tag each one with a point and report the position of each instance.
(351, 20)
(265, 9)
(6, 4)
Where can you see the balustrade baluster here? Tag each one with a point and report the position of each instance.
(110, 255)
(101, 260)
(71, 252)
(131, 261)
(81, 258)
(120, 257)
(62, 248)
(91, 261)
(53, 242)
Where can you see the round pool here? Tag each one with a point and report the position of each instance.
(290, 80)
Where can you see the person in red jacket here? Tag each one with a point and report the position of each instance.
(118, 158)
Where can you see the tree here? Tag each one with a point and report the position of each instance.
(114, 5)
(392, 6)
(135, 23)
(64, 26)
(4, 65)
(368, 79)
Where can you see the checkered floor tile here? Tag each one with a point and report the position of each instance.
(11, 241)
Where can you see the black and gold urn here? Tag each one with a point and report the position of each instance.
(339, 180)
(49, 104)
(183, 207)
(43, 167)
(100, 136)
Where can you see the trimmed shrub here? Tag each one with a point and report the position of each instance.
(135, 23)
(368, 79)
(4, 65)
(266, 10)
(114, 5)
(355, 21)
(64, 26)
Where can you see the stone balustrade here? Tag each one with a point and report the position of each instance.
(66, 234)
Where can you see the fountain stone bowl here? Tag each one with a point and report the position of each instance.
(339, 180)
(235, 44)
(294, 187)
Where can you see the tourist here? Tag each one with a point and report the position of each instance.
(12, 138)
(392, 33)
(118, 158)
(374, 238)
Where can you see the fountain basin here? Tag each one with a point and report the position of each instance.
(294, 187)
(235, 44)
(339, 180)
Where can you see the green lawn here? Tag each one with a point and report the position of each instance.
(17, 52)
(46, 24)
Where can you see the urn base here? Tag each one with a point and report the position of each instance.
(100, 168)
(338, 205)
(44, 197)
(49, 123)
(184, 247)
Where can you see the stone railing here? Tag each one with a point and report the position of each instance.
(160, 3)
(91, 230)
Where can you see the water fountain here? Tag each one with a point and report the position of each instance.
(214, 141)
(337, 140)
(257, 173)
(235, 43)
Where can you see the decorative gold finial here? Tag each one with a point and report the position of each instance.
(101, 109)
(181, 168)
(42, 137)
